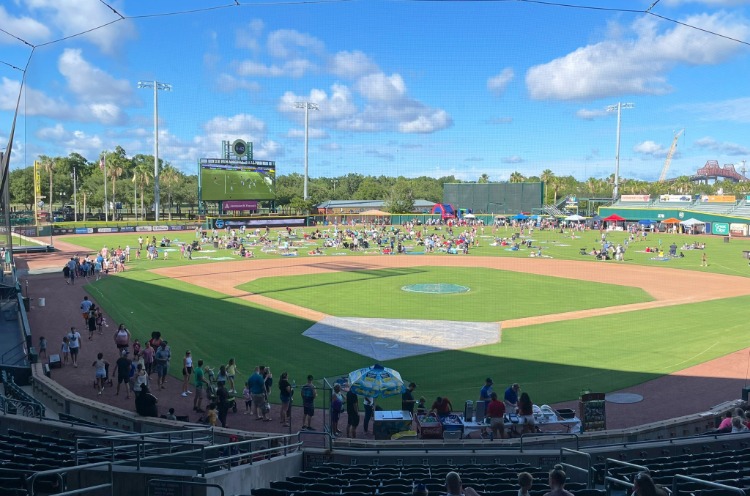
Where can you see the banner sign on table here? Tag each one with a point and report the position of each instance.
(240, 205)
(738, 229)
(675, 198)
(635, 198)
(721, 228)
(718, 199)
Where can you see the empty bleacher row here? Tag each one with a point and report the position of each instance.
(730, 468)
(393, 480)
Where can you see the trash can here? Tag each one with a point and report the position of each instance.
(27, 303)
(726, 239)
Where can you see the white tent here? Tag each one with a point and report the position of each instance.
(470, 216)
(692, 222)
(575, 218)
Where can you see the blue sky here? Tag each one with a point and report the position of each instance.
(403, 88)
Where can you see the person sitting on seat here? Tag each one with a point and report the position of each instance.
(557, 479)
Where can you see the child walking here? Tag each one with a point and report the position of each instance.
(65, 349)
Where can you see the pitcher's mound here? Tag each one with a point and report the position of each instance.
(383, 339)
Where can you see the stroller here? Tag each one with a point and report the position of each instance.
(213, 385)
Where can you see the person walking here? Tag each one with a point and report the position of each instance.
(100, 375)
(74, 343)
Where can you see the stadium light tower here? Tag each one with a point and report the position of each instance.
(307, 106)
(156, 86)
(618, 107)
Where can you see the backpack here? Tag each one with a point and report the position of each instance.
(308, 392)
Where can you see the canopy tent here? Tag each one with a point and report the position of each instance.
(671, 220)
(499, 216)
(519, 217)
(646, 222)
(692, 222)
(376, 213)
(470, 216)
(575, 218)
(613, 218)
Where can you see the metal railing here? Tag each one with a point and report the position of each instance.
(547, 434)
(181, 484)
(14, 406)
(14, 392)
(61, 473)
(714, 485)
(576, 468)
(619, 482)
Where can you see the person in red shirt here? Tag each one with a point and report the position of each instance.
(442, 406)
(496, 411)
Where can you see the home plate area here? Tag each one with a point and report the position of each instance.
(384, 339)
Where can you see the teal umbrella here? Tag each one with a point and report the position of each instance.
(376, 381)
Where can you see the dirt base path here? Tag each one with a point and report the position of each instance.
(689, 391)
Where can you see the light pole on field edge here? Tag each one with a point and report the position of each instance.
(618, 107)
(307, 106)
(156, 86)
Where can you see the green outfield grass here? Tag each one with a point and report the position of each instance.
(495, 294)
(553, 361)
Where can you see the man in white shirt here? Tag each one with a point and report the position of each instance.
(74, 342)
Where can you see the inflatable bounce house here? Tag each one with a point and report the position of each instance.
(445, 210)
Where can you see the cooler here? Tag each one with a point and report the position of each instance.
(386, 424)
(429, 427)
(452, 423)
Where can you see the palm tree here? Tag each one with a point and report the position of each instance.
(141, 178)
(517, 177)
(547, 178)
(483, 179)
(169, 178)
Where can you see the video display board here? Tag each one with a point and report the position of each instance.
(231, 181)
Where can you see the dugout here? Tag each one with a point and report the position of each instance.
(495, 198)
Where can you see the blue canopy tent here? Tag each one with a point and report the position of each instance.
(646, 222)
(519, 217)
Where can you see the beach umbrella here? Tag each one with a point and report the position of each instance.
(376, 381)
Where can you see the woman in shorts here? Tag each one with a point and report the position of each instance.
(526, 412)
(100, 375)
(187, 371)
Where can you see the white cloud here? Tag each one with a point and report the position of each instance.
(26, 28)
(249, 36)
(381, 87)
(288, 43)
(734, 110)
(313, 133)
(724, 147)
(89, 83)
(351, 64)
(339, 105)
(76, 16)
(513, 159)
(639, 64)
(228, 83)
(293, 68)
(650, 148)
(426, 122)
(497, 84)
(35, 103)
(75, 141)
(590, 115)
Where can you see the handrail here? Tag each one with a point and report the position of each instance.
(543, 434)
(59, 472)
(616, 481)
(20, 407)
(14, 391)
(317, 433)
(189, 483)
(715, 485)
(589, 481)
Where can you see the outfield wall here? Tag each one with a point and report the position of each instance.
(721, 225)
(495, 198)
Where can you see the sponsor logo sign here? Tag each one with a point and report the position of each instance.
(718, 199)
(127, 229)
(240, 205)
(177, 228)
(84, 230)
(635, 198)
(675, 198)
(143, 228)
(161, 228)
(107, 230)
(721, 228)
(738, 229)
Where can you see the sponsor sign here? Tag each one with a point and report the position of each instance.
(177, 228)
(738, 229)
(240, 205)
(107, 230)
(127, 229)
(63, 231)
(143, 228)
(227, 223)
(718, 199)
(721, 228)
(675, 198)
(635, 198)
(84, 230)
(161, 228)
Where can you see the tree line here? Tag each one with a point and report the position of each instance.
(130, 182)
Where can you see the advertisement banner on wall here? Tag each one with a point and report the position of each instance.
(248, 222)
(635, 198)
(143, 228)
(738, 229)
(240, 205)
(107, 230)
(84, 230)
(721, 228)
(58, 231)
(718, 199)
(675, 198)
(127, 229)
(161, 228)
(177, 228)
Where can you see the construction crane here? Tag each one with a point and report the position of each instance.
(670, 153)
